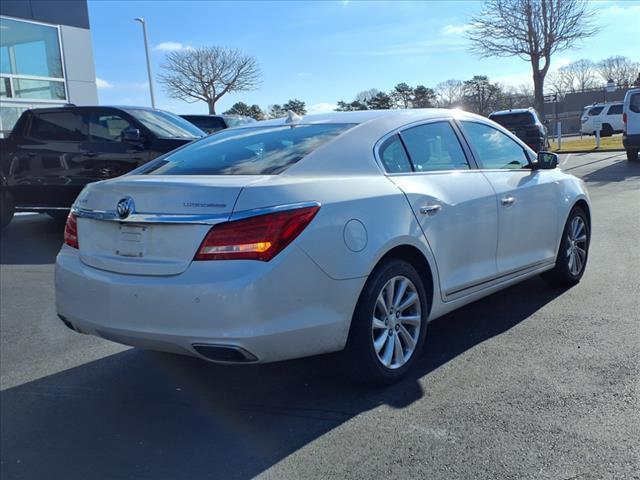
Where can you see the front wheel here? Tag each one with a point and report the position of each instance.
(389, 324)
(632, 154)
(573, 253)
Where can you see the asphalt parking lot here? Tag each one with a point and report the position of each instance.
(529, 383)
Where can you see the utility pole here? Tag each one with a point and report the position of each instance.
(146, 51)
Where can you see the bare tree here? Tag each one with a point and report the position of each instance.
(450, 93)
(620, 69)
(208, 73)
(533, 30)
(580, 75)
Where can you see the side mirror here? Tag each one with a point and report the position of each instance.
(131, 135)
(546, 161)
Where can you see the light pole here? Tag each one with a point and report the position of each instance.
(146, 51)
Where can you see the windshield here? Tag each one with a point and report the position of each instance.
(165, 124)
(247, 151)
(513, 119)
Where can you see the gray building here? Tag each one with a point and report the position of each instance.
(46, 57)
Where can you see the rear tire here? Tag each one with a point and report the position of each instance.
(388, 326)
(573, 253)
(7, 209)
(632, 154)
(606, 131)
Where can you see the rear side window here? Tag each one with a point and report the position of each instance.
(247, 151)
(62, 126)
(393, 156)
(634, 103)
(595, 111)
(615, 110)
(434, 146)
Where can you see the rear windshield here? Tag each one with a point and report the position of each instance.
(513, 119)
(165, 124)
(246, 151)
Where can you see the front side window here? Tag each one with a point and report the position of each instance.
(495, 150)
(246, 151)
(61, 126)
(165, 124)
(433, 147)
(107, 127)
(615, 110)
(595, 111)
(393, 156)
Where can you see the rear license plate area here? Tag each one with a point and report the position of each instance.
(131, 241)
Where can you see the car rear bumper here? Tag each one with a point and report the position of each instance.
(272, 311)
(631, 141)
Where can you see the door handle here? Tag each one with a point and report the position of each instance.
(31, 154)
(507, 201)
(430, 210)
(91, 154)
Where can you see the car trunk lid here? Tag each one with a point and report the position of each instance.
(168, 219)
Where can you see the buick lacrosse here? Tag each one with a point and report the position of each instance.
(305, 235)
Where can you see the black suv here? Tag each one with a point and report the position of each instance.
(52, 153)
(214, 123)
(525, 124)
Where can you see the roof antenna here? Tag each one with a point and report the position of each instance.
(292, 117)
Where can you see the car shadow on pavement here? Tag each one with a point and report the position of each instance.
(31, 239)
(619, 171)
(140, 414)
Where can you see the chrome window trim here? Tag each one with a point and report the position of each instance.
(397, 131)
(193, 219)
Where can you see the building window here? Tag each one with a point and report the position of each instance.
(30, 61)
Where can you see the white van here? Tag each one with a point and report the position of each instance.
(610, 114)
(631, 119)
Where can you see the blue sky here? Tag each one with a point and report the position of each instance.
(321, 52)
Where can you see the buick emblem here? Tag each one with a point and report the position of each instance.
(125, 207)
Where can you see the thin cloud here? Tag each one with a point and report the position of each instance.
(171, 47)
(102, 84)
(449, 30)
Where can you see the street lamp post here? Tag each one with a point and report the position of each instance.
(146, 51)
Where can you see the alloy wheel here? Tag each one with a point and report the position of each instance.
(396, 321)
(576, 245)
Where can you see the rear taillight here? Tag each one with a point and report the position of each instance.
(256, 238)
(624, 122)
(71, 231)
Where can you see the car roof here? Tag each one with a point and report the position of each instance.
(87, 107)
(390, 118)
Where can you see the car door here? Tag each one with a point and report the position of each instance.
(109, 154)
(527, 200)
(53, 146)
(452, 200)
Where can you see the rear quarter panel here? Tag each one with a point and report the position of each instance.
(371, 201)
